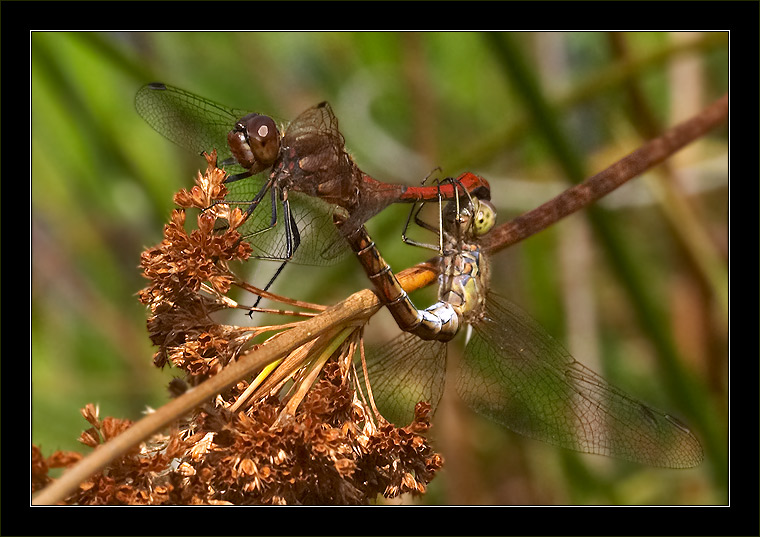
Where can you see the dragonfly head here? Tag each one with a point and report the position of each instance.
(470, 216)
(255, 142)
(484, 217)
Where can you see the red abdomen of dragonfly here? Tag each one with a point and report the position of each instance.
(474, 184)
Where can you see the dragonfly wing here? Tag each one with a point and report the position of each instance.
(518, 375)
(191, 121)
(319, 122)
(315, 160)
(320, 242)
(404, 372)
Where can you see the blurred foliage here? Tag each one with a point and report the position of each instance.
(102, 185)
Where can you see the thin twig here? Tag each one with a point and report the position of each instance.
(278, 298)
(601, 184)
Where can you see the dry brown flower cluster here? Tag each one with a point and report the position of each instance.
(41, 465)
(179, 324)
(285, 445)
(322, 455)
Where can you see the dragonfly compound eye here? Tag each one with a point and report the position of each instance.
(254, 142)
(485, 217)
(264, 138)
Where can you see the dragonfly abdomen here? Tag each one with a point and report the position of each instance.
(438, 322)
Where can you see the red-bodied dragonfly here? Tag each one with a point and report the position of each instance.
(513, 371)
(304, 167)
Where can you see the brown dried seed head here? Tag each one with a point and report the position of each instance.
(247, 467)
(90, 413)
(184, 199)
(90, 437)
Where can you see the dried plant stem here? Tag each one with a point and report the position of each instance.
(263, 374)
(573, 199)
(278, 298)
(356, 309)
(314, 370)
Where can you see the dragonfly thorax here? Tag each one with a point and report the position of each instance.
(464, 281)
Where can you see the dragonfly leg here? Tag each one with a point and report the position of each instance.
(292, 235)
(292, 239)
(237, 177)
(424, 225)
(257, 199)
(268, 285)
(254, 202)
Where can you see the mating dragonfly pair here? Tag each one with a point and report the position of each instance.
(513, 371)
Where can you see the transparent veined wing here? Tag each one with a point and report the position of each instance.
(404, 372)
(516, 374)
(191, 121)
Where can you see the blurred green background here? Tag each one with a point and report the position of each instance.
(649, 312)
